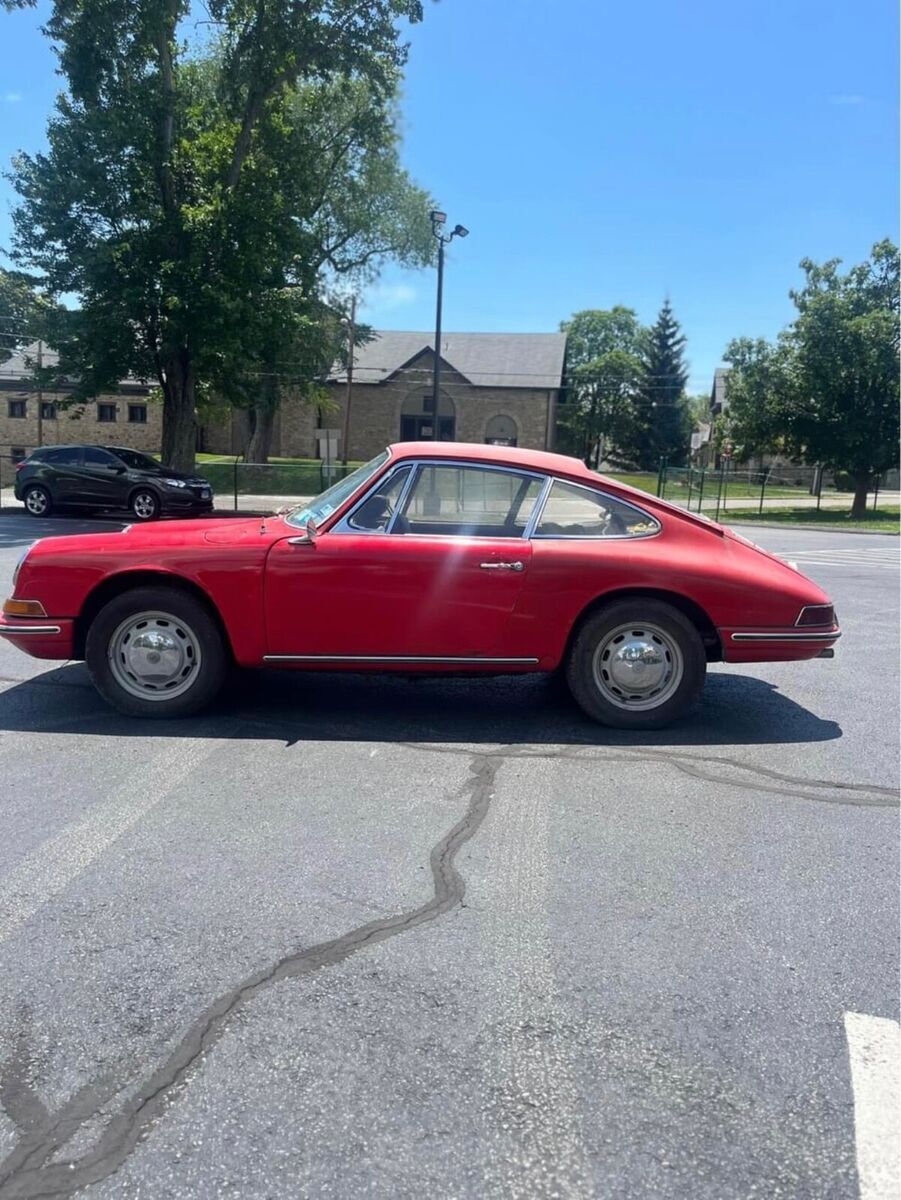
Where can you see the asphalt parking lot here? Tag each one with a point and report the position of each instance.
(347, 937)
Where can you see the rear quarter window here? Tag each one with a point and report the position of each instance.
(577, 512)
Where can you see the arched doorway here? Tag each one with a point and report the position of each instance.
(501, 431)
(418, 422)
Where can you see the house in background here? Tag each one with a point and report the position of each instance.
(500, 388)
(29, 418)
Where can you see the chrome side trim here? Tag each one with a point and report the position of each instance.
(832, 636)
(390, 658)
(27, 630)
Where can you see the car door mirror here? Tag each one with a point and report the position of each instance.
(308, 537)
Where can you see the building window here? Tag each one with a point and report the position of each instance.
(420, 423)
(17, 453)
(500, 431)
(106, 413)
(16, 408)
(48, 410)
(137, 414)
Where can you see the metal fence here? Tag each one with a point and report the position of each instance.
(743, 489)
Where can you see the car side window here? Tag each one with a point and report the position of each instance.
(468, 501)
(66, 456)
(98, 458)
(578, 512)
(375, 512)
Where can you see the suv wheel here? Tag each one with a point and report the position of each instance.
(636, 664)
(38, 501)
(156, 652)
(145, 504)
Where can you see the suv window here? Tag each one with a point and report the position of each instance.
(469, 501)
(571, 511)
(63, 456)
(94, 457)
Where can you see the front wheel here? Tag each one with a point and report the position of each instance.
(636, 664)
(156, 652)
(145, 505)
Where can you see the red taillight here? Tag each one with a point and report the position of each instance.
(20, 465)
(817, 614)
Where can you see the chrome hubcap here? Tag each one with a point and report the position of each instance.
(144, 505)
(154, 656)
(36, 502)
(637, 666)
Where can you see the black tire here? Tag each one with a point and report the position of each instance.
(38, 501)
(681, 662)
(144, 504)
(182, 611)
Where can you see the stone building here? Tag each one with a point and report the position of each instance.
(28, 418)
(495, 387)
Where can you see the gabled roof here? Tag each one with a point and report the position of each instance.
(511, 360)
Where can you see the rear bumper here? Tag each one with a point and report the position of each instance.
(48, 637)
(775, 645)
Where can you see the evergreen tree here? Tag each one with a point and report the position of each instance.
(664, 426)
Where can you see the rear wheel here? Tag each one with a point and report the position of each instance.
(145, 505)
(38, 501)
(156, 652)
(636, 664)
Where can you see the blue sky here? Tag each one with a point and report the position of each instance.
(607, 153)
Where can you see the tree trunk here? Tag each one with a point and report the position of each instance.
(179, 428)
(263, 419)
(861, 487)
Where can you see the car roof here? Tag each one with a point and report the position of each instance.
(508, 456)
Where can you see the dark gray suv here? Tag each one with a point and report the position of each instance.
(107, 477)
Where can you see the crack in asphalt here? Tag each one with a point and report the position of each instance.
(26, 1172)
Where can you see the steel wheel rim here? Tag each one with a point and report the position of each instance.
(36, 502)
(154, 656)
(144, 505)
(637, 666)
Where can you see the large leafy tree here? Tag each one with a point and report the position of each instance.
(347, 206)
(663, 425)
(24, 313)
(828, 391)
(603, 371)
(156, 201)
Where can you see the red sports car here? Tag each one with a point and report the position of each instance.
(441, 558)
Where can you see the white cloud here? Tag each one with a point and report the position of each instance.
(846, 99)
(390, 295)
(12, 97)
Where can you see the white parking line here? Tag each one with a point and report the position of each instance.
(874, 1048)
(53, 865)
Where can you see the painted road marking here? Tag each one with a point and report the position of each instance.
(874, 1048)
(52, 866)
(846, 558)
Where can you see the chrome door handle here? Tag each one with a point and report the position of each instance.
(502, 566)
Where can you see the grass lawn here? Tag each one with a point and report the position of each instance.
(883, 520)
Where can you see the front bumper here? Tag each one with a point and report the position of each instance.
(776, 645)
(43, 637)
(182, 500)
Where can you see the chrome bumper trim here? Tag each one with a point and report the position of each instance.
(28, 630)
(833, 636)
(391, 658)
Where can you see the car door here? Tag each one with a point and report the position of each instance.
(60, 470)
(101, 478)
(437, 581)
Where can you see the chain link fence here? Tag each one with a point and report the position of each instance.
(740, 489)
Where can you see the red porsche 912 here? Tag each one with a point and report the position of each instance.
(440, 558)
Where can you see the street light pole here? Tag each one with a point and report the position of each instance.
(351, 334)
(438, 220)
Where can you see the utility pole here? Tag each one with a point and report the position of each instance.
(438, 220)
(40, 393)
(351, 333)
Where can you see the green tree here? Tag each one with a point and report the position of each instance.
(24, 313)
(603, 370)
(828, 391)
(156, 202)
(663, 425)
(348, 206)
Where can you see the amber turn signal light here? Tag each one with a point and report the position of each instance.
(23, 608)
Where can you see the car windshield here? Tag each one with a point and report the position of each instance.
(332, 498)
(138, 462)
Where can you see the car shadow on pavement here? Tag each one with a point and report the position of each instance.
(294, 707)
